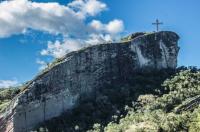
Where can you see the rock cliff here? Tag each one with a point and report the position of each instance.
(79, 74)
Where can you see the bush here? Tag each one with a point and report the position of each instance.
(6, 95)
(159, 115)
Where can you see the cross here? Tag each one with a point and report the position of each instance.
(157, 23)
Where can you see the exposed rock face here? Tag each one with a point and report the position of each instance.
(81, 73)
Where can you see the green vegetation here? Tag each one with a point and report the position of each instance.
(148, 101)
(165, 100)
(6, 94)
(109, 102)
(134, 35)
(161, 114)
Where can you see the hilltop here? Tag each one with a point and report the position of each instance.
(94, 74)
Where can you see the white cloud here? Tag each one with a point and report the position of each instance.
(113, 27)
(87, 7)
(8, 83)
(42, 64)
(98, 38)
(58, 49)
(69, 20)
(97, 25)
(17, 16)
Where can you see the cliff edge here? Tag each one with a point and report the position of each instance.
(79, 74)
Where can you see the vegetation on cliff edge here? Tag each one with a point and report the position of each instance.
(6, 94)
(165, 100)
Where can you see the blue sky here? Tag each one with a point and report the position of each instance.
(20, 51)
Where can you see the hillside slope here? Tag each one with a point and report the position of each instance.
(82, 75)
(165, 100)
(178, 110)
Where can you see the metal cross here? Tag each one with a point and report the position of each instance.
(157, 23)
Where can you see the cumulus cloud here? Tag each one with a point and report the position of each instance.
(42, 64)
(8, 83)
(19, 15)
(88, 7)
(113, 27)
(69, 20)
(57, 49)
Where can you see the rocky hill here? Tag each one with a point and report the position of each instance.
(80, 75)
(146, 102)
